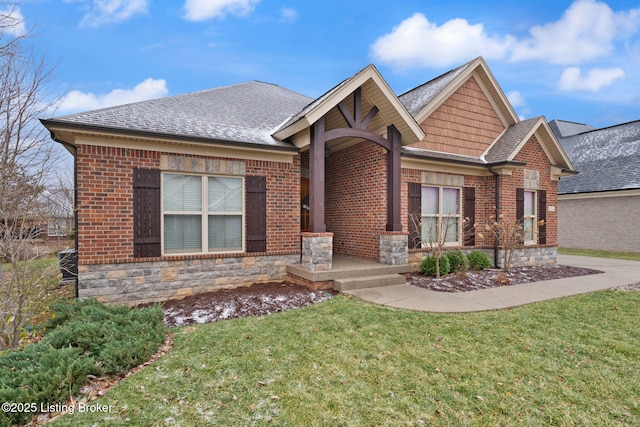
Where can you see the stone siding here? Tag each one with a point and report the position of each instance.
(317, 251)
(527, 256)
(393, 248)
(143, 282)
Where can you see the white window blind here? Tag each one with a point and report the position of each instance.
(202, 213)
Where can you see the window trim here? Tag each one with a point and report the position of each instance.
(204, 215)
(439, 216)
(534, 223)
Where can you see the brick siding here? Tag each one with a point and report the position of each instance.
(105, 231)
(356, 199)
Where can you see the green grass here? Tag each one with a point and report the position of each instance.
(573, 361)
(633, 256)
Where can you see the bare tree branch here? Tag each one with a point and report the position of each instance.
(26, 159)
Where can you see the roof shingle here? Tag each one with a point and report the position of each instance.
(246, 113)
(607, 159)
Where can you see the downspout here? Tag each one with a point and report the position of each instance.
(74, 151)
(496, 242)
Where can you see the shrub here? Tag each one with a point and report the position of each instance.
(478, 260)
(40, 374)
(428, 266)
(85, 337)
(458, 261)
(117, 337)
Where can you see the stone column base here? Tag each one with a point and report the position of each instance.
(317, 251)
(394, 247)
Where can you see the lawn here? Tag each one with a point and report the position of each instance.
(632, 256)
(572, 361)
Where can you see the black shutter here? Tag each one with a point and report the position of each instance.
(415, 212)
(519, 204)
(520, 209)
(146, 213)
(256, 212)
(469, 214)
(542, 217)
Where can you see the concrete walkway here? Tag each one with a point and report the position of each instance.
(616, 273)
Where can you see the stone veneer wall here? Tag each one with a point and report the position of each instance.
(393, 247)
(528, 256)
(152, 281)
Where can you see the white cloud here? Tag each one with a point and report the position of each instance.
(416, 42)
(586, 31)
(598, 78)
(83, 101)
(201, 10)
(101, 12)
(288, 14)
(12, 22)
(516, 99)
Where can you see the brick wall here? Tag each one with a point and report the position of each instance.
(465, 123)
(105, 230)
(536, 159)
(105, 200)
(484, 206)
(356, 199)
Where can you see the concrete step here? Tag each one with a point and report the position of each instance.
(349, 284)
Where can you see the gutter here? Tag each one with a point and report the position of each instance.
(74, 152)
(167, 136)
(495, 239)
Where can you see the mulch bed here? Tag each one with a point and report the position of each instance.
(491, 278)
(256, 300)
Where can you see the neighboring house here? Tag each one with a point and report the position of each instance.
(599, 206)
(238, 184)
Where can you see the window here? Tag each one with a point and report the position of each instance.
(57, 227)
(202, 213)
(441, 214)
(529, 222)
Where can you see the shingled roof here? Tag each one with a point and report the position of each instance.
(260, 114)
(419, 97)
(242, 113)
(608, 159)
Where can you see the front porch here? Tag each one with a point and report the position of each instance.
(349, 273)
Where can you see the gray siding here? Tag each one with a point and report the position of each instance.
(608, 223)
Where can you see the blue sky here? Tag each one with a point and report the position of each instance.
(574, 60)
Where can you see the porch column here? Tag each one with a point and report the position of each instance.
(316, 178)
(394, 172)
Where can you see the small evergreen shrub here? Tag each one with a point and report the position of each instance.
(428, 266)
(458, 261)
(40, 374)
(478, 260)
(84, 337)
(117, 337)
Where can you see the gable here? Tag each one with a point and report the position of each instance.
(466, 123)
(375, 94)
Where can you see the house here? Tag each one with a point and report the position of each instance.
(599, 206)
(253, 182)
